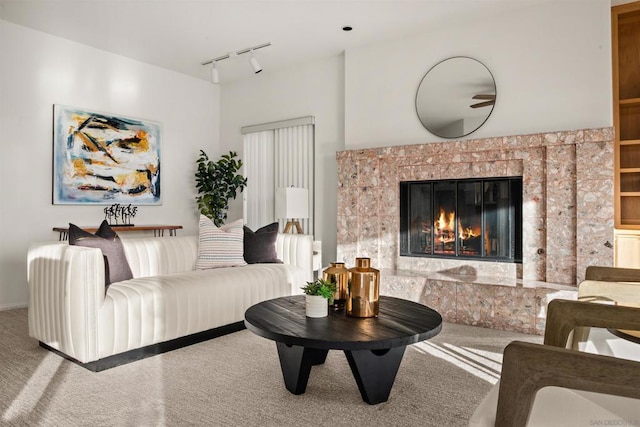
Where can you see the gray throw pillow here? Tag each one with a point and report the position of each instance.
(116, 266)
(260, 246)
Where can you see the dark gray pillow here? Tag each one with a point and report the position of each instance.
(116, 267)
(260, 246)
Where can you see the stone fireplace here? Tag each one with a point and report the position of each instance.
(567, 222)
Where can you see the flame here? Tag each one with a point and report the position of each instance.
(441, 223)
(487, 243)
(445, 228)
(467, 232)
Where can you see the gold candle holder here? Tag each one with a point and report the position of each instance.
(363, 291)
(337, 273)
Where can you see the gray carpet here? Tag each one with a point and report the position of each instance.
(236, 380)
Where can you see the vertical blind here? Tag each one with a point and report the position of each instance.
(277, 155)
(258, 165)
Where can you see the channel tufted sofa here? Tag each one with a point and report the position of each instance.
(168, 304)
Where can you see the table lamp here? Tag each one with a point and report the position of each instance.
(292, 204)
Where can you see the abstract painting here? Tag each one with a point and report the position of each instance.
(103, 159)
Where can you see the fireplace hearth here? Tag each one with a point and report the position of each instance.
(478, 219)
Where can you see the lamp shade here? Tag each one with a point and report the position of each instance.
(292, 202)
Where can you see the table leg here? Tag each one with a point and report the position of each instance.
(375, 371)
(296, 363)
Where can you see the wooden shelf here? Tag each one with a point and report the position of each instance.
(630, 101)
(625, 38)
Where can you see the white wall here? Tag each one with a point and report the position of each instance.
(551, 64)
(37, 71)
(312, 89)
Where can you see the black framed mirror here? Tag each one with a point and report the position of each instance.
(455, 97)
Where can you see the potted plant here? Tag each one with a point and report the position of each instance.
(318, 296)
(217, 183)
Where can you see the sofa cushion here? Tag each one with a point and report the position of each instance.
(116, 267)
(152, 256)
(260, 246)
(219, 247)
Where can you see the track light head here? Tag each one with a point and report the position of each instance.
(215, 78)
(254, 63)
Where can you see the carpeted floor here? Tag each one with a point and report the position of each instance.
(235, 380)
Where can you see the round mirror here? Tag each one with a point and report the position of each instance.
(455, 97)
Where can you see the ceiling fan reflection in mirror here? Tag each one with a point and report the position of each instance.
(445, 93)
(490, 100)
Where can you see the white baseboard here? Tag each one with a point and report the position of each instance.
(13, 306)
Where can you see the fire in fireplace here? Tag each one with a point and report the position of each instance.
(468, 218)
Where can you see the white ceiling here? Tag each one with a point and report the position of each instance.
(181, 34)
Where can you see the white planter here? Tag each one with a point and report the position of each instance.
(317, 306)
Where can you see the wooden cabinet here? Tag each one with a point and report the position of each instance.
(627, 248)
(625, 26)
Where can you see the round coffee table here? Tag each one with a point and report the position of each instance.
(373, 346)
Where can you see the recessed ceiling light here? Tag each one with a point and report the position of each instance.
(347, 28)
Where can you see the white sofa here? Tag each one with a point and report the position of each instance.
(166, 302)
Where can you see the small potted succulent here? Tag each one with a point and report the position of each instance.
(318, 296)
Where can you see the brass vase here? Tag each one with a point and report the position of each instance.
(363, 292)
(337, 273)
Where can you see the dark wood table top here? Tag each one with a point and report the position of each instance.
(158, 230)
(400, 322)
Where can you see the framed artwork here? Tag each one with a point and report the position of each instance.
(103, 159)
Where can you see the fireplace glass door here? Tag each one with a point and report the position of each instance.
(478, 218)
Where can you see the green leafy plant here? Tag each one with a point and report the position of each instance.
(321, 287)
(217, 183)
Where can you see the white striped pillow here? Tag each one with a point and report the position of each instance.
(220, 247)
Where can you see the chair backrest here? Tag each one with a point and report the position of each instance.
(612, 274)
(582, 386)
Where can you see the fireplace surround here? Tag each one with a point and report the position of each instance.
(567, 221)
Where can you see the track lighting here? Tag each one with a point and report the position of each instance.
(215, 78)
(255, 65)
